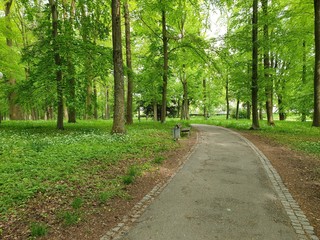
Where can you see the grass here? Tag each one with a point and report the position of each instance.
(37, 158)
(38, 230)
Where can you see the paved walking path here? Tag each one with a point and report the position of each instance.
(227, 189)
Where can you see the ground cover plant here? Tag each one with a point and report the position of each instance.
(70, 170)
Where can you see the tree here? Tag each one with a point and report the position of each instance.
(165, 67)
(118, 114)
(254, 87)
(266, 63)
(129, 110)
(316, 113)
(58, 61)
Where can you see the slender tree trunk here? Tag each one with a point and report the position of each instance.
(165, 67)
(248, 105)
(129, 113)
(282, 114)
(266, 63)
(205, 110)
(155, 111)
(71, 81)
(254, 88)
(316, 112)
(227, 96)
(107, 104)
(237, 111)
(58, 63)
(118, 112)
(95, 100)
(185, 102)
(304, 81)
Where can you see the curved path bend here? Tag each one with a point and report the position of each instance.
(227, 189)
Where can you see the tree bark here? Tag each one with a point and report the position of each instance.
(71, 81)
(165, 67)
(316, 111)
(107, 104)
(129, 113)
(155, 111)
(237, 111)
(304, 81)
(227, 96)
(266, 63)
(118, 112)
(254, 87)
(205, 109)
(95, 100)
(248, 110)
(58, 63)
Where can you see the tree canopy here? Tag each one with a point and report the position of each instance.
(58, 60)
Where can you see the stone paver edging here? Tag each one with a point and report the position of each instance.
(123, 227)
(298, 219)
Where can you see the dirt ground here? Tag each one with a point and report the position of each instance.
(300, 173)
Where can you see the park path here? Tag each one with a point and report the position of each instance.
(227, 189)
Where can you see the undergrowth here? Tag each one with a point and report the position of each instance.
(37, 158)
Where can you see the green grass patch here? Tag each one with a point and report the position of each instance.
(159, 159)
(35, 157)
(38, 230)
(69, 218)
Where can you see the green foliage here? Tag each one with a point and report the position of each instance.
(132, 173)
(38, 230)
(77, 203)
(35, 158)
(70, 218)
(159, 159)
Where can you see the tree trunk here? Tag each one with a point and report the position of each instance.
(58, 62)
(205, 110)
(254, 87)
(248, 105)
(282, 114)
(95, 100)
(155, 111)
(227, 96)
(266, 63)
(118, 112)
(185, 102)
(165, 67)
(107, 104)
(316, 112)
(71, 81)
(237, 111)
(129, 113)
(72, 97)
(304, 81)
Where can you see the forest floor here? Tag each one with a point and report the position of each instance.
(296, 169)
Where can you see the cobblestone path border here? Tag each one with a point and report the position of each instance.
(298, 219)
(123, 227)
